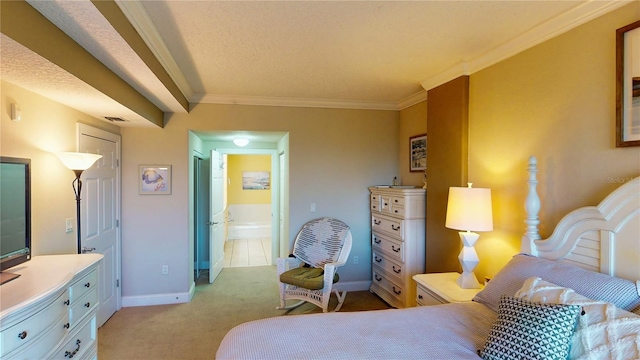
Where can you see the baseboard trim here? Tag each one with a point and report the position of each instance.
(157, 299)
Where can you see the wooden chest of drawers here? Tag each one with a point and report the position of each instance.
(397, 243)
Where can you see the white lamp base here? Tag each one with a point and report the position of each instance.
(468, 260)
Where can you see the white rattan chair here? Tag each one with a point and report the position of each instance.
(323, 244)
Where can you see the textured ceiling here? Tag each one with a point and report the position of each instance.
(354, 54)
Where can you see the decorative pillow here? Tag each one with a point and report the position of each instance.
(604, 331)
(622, 293)
(528, 330)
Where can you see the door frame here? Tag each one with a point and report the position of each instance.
(86, 130)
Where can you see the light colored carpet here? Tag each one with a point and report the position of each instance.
(194, 330)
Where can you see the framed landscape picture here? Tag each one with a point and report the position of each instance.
(255, 180)
(418, 153)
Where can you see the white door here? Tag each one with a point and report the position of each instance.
(216, 222)
(282, 239)
(99, 214)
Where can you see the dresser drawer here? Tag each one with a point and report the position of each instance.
(392, 248)
(375, 203)
(395, 290)
(80, 344)
(387, 225)
(82, 306)
(391, 268)
(83, 286)
(424, 297)
(26, 331)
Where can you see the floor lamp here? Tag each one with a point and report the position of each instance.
(78, 162)
(469, 209)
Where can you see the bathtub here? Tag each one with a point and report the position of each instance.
(248, 230)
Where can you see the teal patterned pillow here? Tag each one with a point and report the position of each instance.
(527, 330)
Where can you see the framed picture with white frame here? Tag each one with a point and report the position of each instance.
(155, 179)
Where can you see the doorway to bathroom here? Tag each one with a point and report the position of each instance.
(249, 210)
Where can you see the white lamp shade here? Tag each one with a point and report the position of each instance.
(469, 209)
(77, 161)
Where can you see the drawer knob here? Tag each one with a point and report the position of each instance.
(66, 326)
(87, 285)
(393, 247)
(22, 335)
(67, 302)
(420, 297)
(398, 292)
(87, 305)
(395, 228)
(69, 354)
(398, 271)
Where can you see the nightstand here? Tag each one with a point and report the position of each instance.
(441, 288)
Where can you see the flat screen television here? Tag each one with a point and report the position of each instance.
(15, 214)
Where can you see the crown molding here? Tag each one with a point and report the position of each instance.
(140, 20)
(543, 32)
(413, 99)
(292, 102)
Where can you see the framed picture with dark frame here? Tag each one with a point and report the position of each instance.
(628, 85)
(155, 180)
(418, 153)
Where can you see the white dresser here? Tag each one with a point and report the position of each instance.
(397, 242)
(49, 312)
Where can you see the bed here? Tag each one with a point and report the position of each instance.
(575, 294)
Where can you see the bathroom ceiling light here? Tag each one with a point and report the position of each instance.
(241, 141)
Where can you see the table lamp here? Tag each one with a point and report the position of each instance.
(469, 209)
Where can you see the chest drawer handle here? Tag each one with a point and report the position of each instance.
(420, 297)
(378, 278)
(377, 222)
(378, 259)
(87, 285)
(70, 354)
(374, 207)
(22, 335)
(396, 200)
(395, 228)
(377, 241)
(67, 302)
(393, 247)
(87, 305)
(386, 204)
(66, 326)
(397, 292)
(397, 271)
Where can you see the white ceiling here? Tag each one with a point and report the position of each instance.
(346, 54)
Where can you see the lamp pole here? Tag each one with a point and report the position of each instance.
(77, 188)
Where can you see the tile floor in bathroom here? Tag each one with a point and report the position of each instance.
(247, 252)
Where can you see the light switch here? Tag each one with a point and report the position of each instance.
(69, 225)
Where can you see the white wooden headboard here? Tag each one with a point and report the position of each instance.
(603, 238)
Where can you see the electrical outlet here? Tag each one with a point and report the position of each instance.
(165, 269)
(355, 260)
(313, 207)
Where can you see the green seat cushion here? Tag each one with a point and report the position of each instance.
(306, 277)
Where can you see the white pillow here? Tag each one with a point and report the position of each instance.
(604, 331)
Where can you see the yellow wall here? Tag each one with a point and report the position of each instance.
(46, 127)
(413, 121)
(237, 164)
(555, 101)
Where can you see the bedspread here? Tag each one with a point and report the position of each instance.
(451, 331)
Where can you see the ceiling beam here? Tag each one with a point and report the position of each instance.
(24, 24)
(112, 12)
